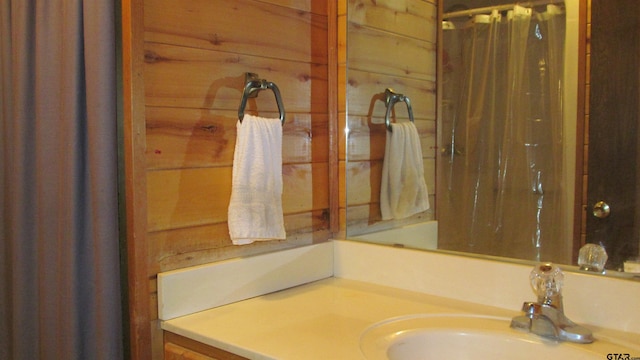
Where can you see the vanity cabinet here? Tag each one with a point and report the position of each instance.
(178, 347)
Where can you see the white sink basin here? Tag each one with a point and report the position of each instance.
(459, 337)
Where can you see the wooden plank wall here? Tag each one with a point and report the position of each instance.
(196, 54)
(391, 43)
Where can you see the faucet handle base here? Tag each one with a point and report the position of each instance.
(550, 322)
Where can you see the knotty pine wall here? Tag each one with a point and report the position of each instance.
(196, 54)
(391, 43)
(184, 73)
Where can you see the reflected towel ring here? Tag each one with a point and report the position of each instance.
(391, 98)
(253, 85)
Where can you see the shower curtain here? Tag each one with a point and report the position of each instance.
(59, 256)
(502, 130)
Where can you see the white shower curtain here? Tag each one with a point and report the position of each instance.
(502, 130)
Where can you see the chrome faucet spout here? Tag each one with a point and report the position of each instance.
(546, 316)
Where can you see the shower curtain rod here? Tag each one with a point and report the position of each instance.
(488, 9)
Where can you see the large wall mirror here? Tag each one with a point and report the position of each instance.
(495, 129)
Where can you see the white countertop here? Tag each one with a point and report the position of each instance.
(221, 304)
(320, 320)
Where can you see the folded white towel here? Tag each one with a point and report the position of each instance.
(255, 208)
(403, 191)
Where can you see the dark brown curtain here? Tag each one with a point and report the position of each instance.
(60, 294)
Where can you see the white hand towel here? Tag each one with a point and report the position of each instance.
(403, 191)
(255, 208)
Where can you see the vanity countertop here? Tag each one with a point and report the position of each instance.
(320, 320)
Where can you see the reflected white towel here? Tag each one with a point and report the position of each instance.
(403, 191)
(255, 208)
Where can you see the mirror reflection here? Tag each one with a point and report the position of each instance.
(503, 162)
(507, 159)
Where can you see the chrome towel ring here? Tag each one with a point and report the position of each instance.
(253, 85)
(391, 98)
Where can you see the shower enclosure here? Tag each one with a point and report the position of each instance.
(508, 130)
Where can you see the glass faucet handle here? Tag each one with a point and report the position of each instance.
(592, 257)
(546, 280)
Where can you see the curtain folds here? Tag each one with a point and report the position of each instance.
(503, 120)
(60, 277)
